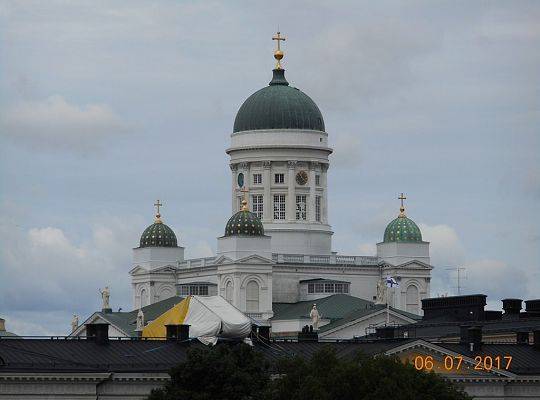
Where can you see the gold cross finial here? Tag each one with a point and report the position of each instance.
(244, 200)
(402, 208)
(278, 54)
(158, 204)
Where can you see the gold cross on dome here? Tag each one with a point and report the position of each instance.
(401, 197)
(279, 38)
(157, 204)
(402, 208)
(278, 54)
(244, 200)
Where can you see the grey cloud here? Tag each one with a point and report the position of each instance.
(55, 123)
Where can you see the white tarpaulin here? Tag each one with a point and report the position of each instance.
(211, 317)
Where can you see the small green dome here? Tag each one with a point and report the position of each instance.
(278, 106)
(402, 229)
(244, 223)
(158, 235)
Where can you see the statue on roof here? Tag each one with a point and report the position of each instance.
(140, 320)
(105, 296)
(381, 292)
(315, 317)
(74, 323)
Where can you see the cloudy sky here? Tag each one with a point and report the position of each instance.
(107, 105)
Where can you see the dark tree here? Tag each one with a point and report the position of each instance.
(325, 377)
(222, 372)
(238, 372)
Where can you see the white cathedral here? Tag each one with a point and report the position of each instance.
(277, 247)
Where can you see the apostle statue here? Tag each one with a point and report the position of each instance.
(315, 317)
(105, 295)
(140, 320)
(74, 322)
(381, 292)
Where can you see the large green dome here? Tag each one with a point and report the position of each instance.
(402, 229)
(278, 106)
(158, 235)
(244, 223)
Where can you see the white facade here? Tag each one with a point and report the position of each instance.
(284, 173)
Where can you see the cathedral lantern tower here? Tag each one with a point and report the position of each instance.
(158, 248)
(279, 152)
(402, 241)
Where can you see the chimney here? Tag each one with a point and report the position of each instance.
(2, 325)
(385, 332)
(532, 308)
(511, 308)
(308, 336)
(475, 338)
(98, 332)
(264, 333)
(522, 337)
(536, 339)
(178, 332)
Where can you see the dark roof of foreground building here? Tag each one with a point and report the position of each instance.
(82, 355)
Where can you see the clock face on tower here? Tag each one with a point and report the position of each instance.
(301, 178)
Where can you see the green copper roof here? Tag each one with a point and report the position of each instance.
(158, 234)
(244, 223)
(278, 106)
(402, 229)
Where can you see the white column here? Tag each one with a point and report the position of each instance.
(234, 168)
(291, 198)
(311, 200)
(324, 184)
(267, 200)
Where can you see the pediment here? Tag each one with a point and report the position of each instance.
(165, 268)
(254, 259)
(137, 270)
(365, 319)
(446, 362)
(223, 260)
(410, 264)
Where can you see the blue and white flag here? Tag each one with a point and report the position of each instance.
(391, 282)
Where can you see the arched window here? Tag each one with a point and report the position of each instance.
(412, 299)
(165, 293)
(144, 298)
(252, 297)
(229, 292)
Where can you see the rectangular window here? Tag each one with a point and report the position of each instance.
(184, 290)
(311, 288)
(328, 288)
(338, 287)
(346, 288)
(279, 206)
(317, 180)
(257, 205)
(318, 208)
(194, 290)
(203, 290)
(257, 179)
(319, 288)
(279, 178)
(301, 207)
